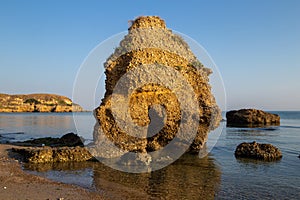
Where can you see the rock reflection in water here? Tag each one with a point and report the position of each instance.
(187, 178)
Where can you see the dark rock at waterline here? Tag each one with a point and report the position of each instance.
(69, 140)
(57, 154)
(45, 141)
(254, 150)
(251, 118)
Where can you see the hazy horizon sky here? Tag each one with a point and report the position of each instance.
(255, 44)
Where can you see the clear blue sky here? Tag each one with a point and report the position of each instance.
(255, 44)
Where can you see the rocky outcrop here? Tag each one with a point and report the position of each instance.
(67, 140)
(266, 152)
(251, 118)
(37, 103)
(148, 80)
(68, 148)
(57, 154)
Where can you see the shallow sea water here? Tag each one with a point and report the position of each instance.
(219, 175)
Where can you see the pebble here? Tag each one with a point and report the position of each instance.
(4, 188)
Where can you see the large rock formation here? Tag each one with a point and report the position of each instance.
(149, 79)
(37, 103)
(251, 118)
(266, 152)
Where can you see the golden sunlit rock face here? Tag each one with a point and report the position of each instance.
(154, 100)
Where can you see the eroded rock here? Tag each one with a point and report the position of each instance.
(251, 118)
(266, 152)
(150, 45)
(58, 154)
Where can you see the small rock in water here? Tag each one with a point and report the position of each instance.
(251, 118)
(254, 150)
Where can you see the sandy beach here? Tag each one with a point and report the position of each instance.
(17, 184)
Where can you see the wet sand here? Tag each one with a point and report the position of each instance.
(17, 184)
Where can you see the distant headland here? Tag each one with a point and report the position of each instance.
(37, 103)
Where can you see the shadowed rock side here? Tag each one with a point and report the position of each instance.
(69, 140)
(150, 45)
(37, 103)
(251, 118)
(266, 152)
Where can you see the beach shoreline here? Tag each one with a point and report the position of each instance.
(17, 184)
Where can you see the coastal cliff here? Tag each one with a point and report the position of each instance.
(37, 103)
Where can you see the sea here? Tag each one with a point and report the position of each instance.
(216, 175)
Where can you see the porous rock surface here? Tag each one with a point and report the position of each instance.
(56, 154)
(68, 148)
(251, 118)
(149, 42)
(254, 150)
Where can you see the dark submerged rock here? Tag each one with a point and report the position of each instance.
(251, 118)
(254, 150)
(69, 140)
